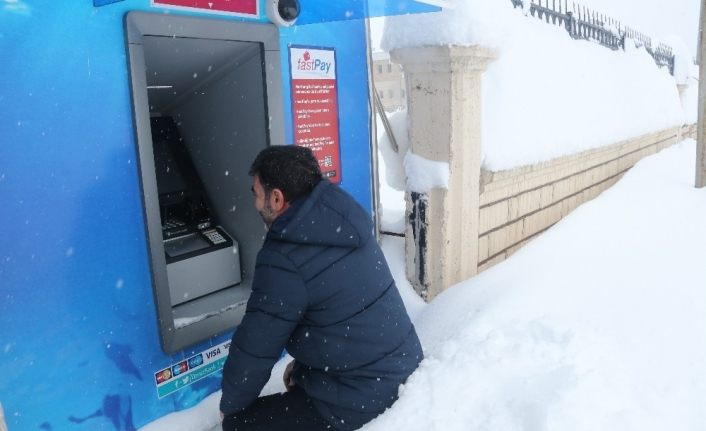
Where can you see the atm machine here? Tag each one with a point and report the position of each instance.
(201, 257)
(205, 102)
(130, 125)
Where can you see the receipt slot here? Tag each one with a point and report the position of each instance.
(206, 99)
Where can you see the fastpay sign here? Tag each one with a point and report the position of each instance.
(315, 106)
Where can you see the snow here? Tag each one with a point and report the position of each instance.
(655, 18)
(424, 174)
(391, 172)
(392, 214)
(181, 322)
(548, 95)
(683, 60)
(690, 101)
(403, 169)
(526, 7)
(393, 247)
(597, 324)
(202, 417)
(394, 160)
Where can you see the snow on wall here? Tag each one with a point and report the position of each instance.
(392, 173)
(547, 95)
(656, 18)
(690, 101)
(394, 160)
(683, 61)
(424, 174)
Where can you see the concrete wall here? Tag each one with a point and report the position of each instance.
(483, 217)
(519, 204)
(444, 117)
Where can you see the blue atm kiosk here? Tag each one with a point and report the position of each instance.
(128, 233)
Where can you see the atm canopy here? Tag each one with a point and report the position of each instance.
(317, 11)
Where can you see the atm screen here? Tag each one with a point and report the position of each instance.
(183, 202)
(172, 165)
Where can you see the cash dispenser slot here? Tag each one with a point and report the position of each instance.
(207, 98)
(201, 263)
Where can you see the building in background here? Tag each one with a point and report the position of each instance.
(389, 82)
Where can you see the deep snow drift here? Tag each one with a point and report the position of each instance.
(600, 323)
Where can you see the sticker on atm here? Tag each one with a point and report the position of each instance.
(183, 373)
(195, 361)
(163, 375)
(180, 368)
(315, 106)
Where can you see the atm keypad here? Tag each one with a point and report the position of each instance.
(214, 236)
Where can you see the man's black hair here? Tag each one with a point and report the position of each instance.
(292, 169)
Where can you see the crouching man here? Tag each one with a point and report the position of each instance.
(322, 290)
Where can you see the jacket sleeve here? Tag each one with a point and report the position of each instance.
(276, 305)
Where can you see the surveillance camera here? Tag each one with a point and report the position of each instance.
(283, 12)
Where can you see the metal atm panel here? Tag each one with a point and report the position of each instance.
(203, 273)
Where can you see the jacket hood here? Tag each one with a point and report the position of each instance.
(328, 217)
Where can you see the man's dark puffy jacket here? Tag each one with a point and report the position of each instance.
(323, 291)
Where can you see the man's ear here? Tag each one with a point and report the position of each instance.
(277, 202)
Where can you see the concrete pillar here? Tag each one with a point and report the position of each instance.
(701, 130)
(444, 108)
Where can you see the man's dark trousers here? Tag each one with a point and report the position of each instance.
(290, 411)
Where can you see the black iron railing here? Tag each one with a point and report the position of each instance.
(583, 23)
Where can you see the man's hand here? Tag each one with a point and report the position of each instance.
(288, 378)
(222, 416)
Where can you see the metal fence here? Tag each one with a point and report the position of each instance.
(583, 23)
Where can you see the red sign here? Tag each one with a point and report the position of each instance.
(241, 7)
(315, 106)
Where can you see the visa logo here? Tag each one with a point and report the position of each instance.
(213, 353)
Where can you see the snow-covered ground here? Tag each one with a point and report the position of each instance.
(599, 324)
